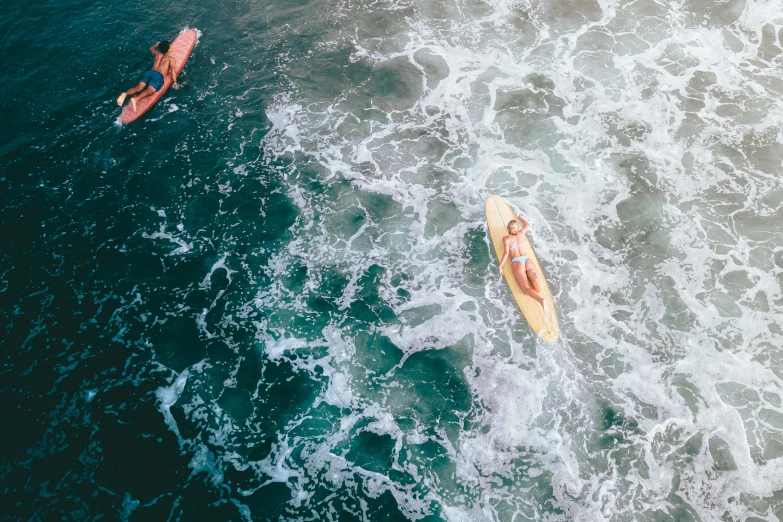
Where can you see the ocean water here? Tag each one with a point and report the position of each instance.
(274, 298)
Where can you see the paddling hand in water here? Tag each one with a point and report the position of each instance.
(153, 79)
(523, 268)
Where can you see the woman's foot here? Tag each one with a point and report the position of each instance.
(121, 99)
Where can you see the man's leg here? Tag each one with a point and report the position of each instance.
(139, 87)
(149, 91)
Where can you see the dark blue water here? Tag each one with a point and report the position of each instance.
(89, 301)
(273, 297)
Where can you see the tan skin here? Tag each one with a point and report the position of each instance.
(525, 276)
(164, 64)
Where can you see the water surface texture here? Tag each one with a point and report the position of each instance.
(274, 298)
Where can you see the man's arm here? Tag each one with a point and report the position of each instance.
(154, 48)
(173, 72)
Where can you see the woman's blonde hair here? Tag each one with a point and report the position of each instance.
(513, 226)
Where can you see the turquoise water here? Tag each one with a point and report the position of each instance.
(273, 297)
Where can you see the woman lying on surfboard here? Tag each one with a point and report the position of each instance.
(522, 266)
(153, 79)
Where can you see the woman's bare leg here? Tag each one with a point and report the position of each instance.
(532, 275)
(524, 285)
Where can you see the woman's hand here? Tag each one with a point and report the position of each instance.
(525, 224)
(500, 270)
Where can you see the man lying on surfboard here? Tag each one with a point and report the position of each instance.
(153, 79)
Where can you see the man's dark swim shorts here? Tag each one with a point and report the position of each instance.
(154, 79)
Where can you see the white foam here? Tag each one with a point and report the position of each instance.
(634, 139)
(204, 461)
(128, 506)
(184, 246)
(217, 265)
(168, 396)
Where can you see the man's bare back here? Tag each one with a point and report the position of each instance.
(153, 80)
(163, 63)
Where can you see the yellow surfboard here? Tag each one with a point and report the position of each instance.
(499, 213)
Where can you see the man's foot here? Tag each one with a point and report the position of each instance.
(121, 99)
(133, 102)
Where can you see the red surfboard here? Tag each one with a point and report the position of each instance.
(181, 48)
